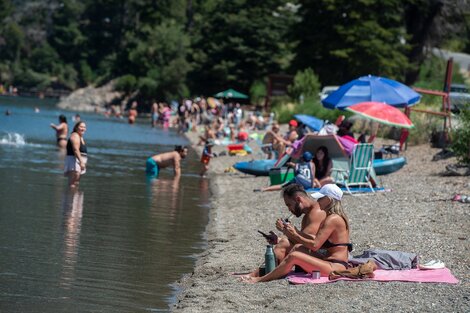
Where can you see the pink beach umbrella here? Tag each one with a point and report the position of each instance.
(382, 113)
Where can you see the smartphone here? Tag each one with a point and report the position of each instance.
(264, 235)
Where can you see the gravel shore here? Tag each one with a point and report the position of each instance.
(416, 216)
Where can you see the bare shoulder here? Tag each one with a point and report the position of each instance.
(317, 212)
(334, 219)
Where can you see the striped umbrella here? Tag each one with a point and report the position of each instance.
(382, 113)
(371, 88)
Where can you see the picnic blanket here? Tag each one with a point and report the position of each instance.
(413, 275)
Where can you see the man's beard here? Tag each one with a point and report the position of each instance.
(297, 210)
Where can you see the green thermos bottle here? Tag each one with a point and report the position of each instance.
(269, 259)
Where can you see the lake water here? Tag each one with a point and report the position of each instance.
(115, 245)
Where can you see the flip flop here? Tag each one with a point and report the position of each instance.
(432, 265)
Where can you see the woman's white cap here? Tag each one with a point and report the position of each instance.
(330, 190)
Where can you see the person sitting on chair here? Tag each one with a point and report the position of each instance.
(274, 142)
(304, 174)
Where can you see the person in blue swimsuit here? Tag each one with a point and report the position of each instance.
(167, 159)
(304, 174)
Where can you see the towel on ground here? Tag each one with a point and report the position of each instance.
(413, 275)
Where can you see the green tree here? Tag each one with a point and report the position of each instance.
(238, 42)
(43, 59)
(305, 83)
(5, 9)
(158, 54)
(343, 39)
(461, 137)
(65, 35)
(104, 25)
(14, 39)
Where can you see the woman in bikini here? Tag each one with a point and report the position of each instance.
(61, 131)
(333, 236)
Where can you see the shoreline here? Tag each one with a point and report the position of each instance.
(416, 216)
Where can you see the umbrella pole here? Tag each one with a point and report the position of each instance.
(445, 99)
(405, 132)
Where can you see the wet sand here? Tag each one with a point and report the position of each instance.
(416, 216)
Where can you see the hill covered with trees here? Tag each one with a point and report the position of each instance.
(174, 48)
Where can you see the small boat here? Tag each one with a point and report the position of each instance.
(262, 167)
(255, 167)
(388, 166)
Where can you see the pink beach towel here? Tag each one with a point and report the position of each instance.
(414, 275)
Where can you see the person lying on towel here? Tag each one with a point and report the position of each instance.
(333, 236)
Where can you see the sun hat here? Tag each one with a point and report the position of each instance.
(293, 123)
(307, 156)
(330, 190)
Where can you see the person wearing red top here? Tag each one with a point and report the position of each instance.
(206, 156)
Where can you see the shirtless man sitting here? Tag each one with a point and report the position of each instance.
(299, 203)
(274, 141)
(159, 161)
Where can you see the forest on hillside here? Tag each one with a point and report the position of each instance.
(175, 48)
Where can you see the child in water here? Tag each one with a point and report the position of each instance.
(206, 156)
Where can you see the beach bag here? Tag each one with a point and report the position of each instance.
(365, 270)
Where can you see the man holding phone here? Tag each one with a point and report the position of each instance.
(298, 203)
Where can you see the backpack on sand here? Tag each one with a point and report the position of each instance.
(365, 270)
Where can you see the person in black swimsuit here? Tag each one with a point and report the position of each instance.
(61, 131)
(333, 236)
(76, 158)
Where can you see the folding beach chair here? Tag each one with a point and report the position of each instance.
(264, 149)
(340, 169)
(360, 168)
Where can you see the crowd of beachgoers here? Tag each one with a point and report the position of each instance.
(416, 216)
(330, 221)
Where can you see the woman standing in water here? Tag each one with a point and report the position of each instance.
(76, 159)
(61, 131)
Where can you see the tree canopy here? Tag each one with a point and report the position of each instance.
(177, 48)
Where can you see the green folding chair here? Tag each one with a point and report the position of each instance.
(340, 169)
(360, 168)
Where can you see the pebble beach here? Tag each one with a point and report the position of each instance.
(416, 215)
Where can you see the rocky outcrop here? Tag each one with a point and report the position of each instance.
(91, 98)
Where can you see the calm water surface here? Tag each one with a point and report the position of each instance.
(115, 245)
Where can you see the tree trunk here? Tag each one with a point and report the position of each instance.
(419, 18)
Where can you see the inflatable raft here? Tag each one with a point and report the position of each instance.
(262, 167)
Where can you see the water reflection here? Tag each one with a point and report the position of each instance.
(164, 190)
(204, 189)
(72, 210)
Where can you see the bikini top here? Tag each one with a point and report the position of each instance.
(82, 148)
(328, 244)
